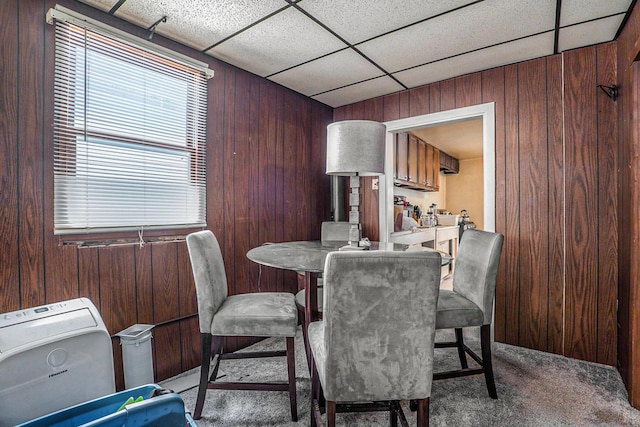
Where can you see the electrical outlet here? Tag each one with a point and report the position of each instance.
(374, 183)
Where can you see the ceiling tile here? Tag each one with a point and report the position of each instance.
(373, 17)
(197, 23)
(508, 53)
(359, 92)
(460, 31)
(574, 11)
(282, 41)
(104, 5)
(589, 33)
(329, 72)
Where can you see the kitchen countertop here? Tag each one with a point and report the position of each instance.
(421, 229)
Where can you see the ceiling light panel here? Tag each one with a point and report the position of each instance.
(575, 11)
(461, 31)
(329, 72)
(508, 53)
(593, 32)
(374, 17)
(197, 23)
(359, 92)
(282, 41)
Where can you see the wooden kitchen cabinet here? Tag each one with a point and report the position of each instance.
(422, 163)
(429, 166)
(401, 173)
(417, 163)
(436, 169)
(449, 164)
(413, 159)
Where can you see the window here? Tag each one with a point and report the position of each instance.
(129, 132)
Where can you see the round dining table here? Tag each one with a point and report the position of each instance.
(307, 258)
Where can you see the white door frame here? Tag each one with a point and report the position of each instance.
(484, 111)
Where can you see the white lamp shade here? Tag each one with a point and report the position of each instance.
(356, 147)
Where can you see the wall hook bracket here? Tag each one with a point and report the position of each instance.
(152, 29)
(611, 91)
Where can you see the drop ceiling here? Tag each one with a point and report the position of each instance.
(343, 51)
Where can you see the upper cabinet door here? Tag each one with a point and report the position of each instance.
(402, 156)
(436, 169)
(413, 159)
(429, 166)
(422, 163)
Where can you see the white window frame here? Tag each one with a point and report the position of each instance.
(129, 131)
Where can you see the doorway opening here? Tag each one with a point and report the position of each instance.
(485, 112)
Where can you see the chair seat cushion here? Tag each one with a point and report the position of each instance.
(262, 314)
(301, 300)
(315, 335)
(456, 311)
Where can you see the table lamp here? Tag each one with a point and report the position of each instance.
(355, 148)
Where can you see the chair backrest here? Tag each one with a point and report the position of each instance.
(476, 269)
(209, 274)
(379, 324)
(335, 231)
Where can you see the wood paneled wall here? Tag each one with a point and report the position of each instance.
(555, 193)
(264, 183)
(629, 205)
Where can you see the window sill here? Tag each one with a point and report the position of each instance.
(130, 238)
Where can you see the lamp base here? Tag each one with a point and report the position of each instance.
(353, 248)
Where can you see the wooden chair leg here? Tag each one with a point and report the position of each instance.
(393, 414)
(460, 345)
(331, 414)
(291, 368)
(205, 356)
(423, 413)
(316, 392)
(485, 343)
(216, 353)
(307, 350)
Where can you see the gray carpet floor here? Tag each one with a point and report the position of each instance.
(534, 389)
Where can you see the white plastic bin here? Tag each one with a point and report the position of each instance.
(137, 358)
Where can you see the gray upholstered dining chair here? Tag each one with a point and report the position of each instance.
(375, 341)
(264, 314)
(331, 231)
(470, 303)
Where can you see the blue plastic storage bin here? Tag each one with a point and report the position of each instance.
(164, 410)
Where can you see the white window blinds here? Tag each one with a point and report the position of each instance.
(129, 134)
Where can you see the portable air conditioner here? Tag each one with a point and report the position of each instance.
(52, 357)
